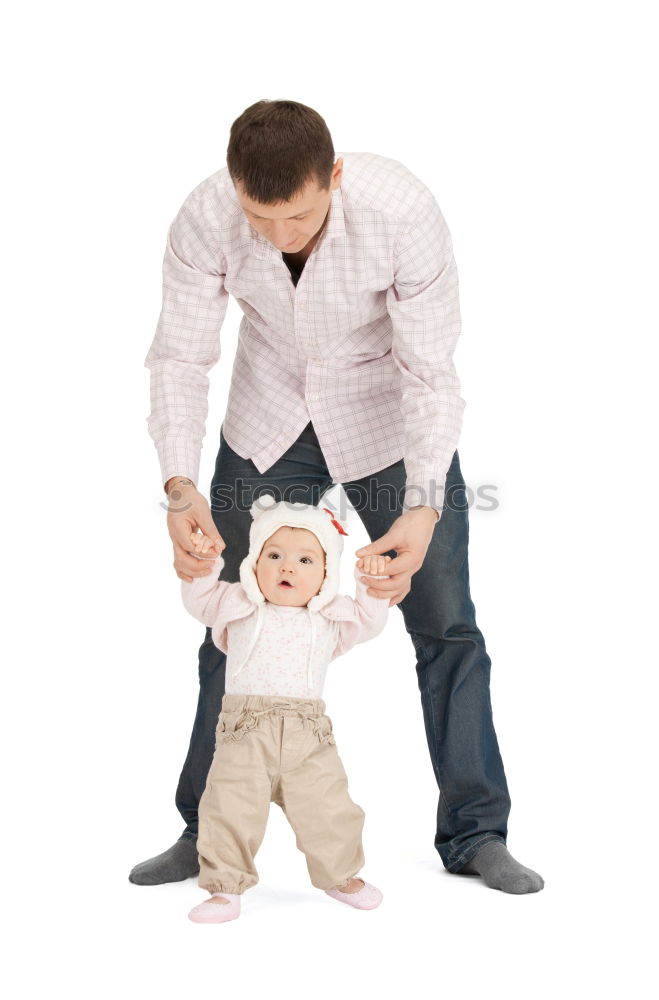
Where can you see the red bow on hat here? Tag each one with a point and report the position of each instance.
(336, 524)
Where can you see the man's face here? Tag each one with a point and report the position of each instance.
(293, 555)
(292, 225)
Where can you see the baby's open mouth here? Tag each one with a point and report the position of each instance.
(285, 583)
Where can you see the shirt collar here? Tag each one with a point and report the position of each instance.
(336, 225)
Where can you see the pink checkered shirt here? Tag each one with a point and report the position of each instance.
(362, 346)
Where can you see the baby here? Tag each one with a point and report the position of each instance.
(280, 627)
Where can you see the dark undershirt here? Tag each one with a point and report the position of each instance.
(294, 268)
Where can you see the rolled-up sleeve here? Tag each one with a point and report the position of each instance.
(424, 307)
(185, 347)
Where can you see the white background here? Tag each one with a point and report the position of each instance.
(534, 125)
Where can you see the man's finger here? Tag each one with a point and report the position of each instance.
(201, 569)
(378, 547)
(181, 533)
(383, 587)
(207, 525)
(193, 566)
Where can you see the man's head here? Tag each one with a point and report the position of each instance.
(281, 160)
(291, 567)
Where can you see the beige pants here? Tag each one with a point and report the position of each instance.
(270, 749)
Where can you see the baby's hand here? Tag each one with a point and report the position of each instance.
(373, 565)
(204, 546)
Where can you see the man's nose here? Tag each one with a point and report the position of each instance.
(282, 237)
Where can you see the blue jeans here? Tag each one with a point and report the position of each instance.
(452, 665)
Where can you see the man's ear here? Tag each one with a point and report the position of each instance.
(336, 177)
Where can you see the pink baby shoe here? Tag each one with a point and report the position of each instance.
(367, 898)
(216, 913)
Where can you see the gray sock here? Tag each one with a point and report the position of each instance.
(499, 870)
(179, 862)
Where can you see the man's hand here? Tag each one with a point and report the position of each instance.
(409, 536)
(188, 514)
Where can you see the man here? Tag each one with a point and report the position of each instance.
(343, 373)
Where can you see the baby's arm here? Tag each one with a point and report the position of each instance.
(372, 612)
(204, 595)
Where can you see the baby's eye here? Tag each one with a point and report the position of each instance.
(273, 555)
(307, 559)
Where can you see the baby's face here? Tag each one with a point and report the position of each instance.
(291, 567)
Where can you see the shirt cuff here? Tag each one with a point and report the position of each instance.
(426, 492)
(190, 471)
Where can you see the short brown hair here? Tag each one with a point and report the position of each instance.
(276, 148)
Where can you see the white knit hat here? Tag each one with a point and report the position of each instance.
(267, 516)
